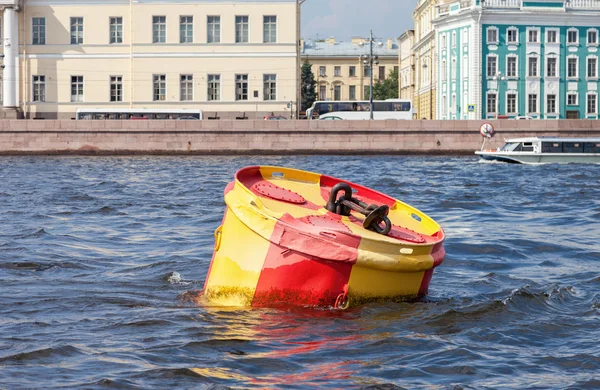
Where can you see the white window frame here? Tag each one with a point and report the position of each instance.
(587, 67)
(516, 75)
(270, 83)
(41, 31)
(488, 40)
(183, 21)
(487, 65)
(555, 104)
(74, 24)
(42, 88)
(187, 82)
(487, 100)
(158, 23)
(241, 79)
(213, 29)
(576, 58)
(80, 86)
(594, 30)
(537, 103)
(242, 28)
(159, 78)
(587, 97)
(512, 92)
(269, 29)
(571, 93)
(537, 66)
(537, 32)
(213, 79)
(556, 66)
(576, 36)
(516, 41)
(557, 35)
(118, 39)
(118, 81)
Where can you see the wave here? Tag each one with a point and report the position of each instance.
(42, 354)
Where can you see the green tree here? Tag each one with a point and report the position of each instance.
(309, 86)
(386, 89)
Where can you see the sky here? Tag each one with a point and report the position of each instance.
(344, 19)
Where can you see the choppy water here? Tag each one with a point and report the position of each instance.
(96, 253)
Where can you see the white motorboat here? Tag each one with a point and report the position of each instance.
(545, 150)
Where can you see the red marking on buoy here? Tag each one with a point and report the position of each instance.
(328, 223)
(275, 192)
(404, 234)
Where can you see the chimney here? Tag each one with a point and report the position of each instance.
(390, 43)
(302, 45)
(331, 41)
(357, 40)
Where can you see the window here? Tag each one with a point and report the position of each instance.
(241, 29)
(591, 103)
(572, 99)
(241, 87)
(38, 36)
(337, 71)
(572, 37)
(159, 29)
(533, 36)
(186, 87)
(186, 29)
(352, 71)
(592, 37)
(592, 67)
(551, 104)
(381, 73)
(322, 71)
(337, 92)
(491, 103)
(512, 35)
(270, 29)
(322, 92)
(214, 29)
(39, 88)
(76, 88)
(116, 30)
(511, 66)
(397, 69)
(352, 92)
(214, 87)
(76, 31)
(116, 88)
(532, 103)
(366, 92)
(572, 67)
(511, 103)
(533, 67)
(159, 82)
(492, 66)
(551, 67)
(443, 41)
(366, 72)
(551, 36)
(270, 87)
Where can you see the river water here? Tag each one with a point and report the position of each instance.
(99, 257)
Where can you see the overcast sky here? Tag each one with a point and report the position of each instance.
(344, 19)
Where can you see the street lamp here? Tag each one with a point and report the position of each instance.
(368, 62)
(430, 66)
(498, 77)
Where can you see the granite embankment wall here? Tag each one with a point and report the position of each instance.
(270, 137)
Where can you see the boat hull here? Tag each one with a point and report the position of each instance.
(541, 158)
(260, 261)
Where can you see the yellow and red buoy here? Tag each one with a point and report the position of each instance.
(292, 237)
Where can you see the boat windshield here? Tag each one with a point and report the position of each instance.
(509, 146)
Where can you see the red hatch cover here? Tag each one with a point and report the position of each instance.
(328, 223)
(404, 234)
(275, 192)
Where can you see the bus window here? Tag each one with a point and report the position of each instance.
(364, 107)
(346, 107)
(99, 116)
(401, 106)
(591, 147)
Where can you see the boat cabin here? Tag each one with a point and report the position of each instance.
(551, 145)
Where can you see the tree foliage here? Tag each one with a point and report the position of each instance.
(386, 89)
(309, 86)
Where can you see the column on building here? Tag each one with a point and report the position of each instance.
(10, 83)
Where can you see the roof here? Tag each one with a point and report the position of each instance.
(347, 49)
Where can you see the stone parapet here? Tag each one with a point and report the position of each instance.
(275, 137)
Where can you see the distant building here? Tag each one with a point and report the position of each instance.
(509, 58)
(406, 80)
(339, 71)
(227, 57)
(425, 60)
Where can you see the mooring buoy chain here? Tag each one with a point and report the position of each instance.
(374, 214)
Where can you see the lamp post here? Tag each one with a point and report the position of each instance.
(425, 66)
(298, 60)
(368, 62)
(498, 78)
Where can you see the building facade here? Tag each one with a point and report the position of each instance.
(224, 57)
(339, 71)
(406, 82)
(515, 58)
(425, 59)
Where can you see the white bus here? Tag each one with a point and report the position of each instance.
(136, 113)
(382, 109)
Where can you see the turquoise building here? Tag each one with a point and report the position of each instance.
(517, 58)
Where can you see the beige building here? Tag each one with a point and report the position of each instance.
(339, 71)
(425, 61)
(406, 82)
(221, 57)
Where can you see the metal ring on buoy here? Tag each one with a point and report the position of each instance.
(218, 234)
